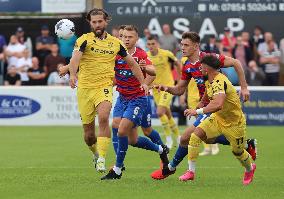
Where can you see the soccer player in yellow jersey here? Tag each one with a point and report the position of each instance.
(94, 53)
(162, 60)
(227, 118)
(193, 99)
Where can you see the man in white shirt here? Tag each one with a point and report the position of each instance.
(14, 51)
(23, 65)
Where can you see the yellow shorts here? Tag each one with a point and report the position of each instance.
(235, 134)
(162, 98)
(89, 99)
(192, 94)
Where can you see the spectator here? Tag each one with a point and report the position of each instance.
(257, 36)
(281, 48)
(25, 40)
(14, 51)
(142, 42)
(66, 47)
(228, 41)
(12, 78)
(168, 41)
(263, 47)
(271, 61)
(242, 53)
(52, 60)
(55, 80)
(43, 44)
(254, 75)
(3, 45)
(114, 31)
(23, 65)
(246, 40)
(36, 74)
(210, 46)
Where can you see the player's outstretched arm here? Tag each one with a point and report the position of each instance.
(215, 105)
(228, 62)
(149, 69)
(178, 89)
(73, 67)
(149, 79)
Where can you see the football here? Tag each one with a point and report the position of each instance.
(64, 29)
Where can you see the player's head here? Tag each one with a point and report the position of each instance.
(190, 43)
(152, 43)
(130, 36)
(209, 64)
(98, 20)
(120, 31)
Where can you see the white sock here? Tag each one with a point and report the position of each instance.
(191, 166)
(117, 170)
(248, 169)
(169, 139)
(160, 149)
(171, 168)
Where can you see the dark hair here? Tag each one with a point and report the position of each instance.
(121, 27)
(131, 28)
(192, 36)
(98, 11)
(153, 37)
(212, 61)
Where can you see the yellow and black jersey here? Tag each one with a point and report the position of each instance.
(96, 66)
(162, 62)
(231, 113)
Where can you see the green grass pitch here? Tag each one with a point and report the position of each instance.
(53, 162)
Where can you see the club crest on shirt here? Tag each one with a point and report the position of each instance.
(110, 44)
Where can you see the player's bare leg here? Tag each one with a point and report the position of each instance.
(161, 112)
(91, 140)
(103, 110)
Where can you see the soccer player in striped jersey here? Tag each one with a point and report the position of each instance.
(191, 69)
(131, 105)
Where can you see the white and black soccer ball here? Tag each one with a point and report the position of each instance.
(64, 29)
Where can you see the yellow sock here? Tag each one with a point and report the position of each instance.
(165, 123)
(174, 126)
(93, 148)
(193, 147)
(245, 160)
(103, 144)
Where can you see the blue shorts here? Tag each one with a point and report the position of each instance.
(200, 118)
(147, 116)
(133, 109)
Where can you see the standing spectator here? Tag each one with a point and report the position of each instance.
(246, 40)
(242, 53)
(25, 40)
(228, 41)
(14, 51)
(12, 78)
(55, 80)
(210, 46)
(257, 36)
(36, 74)
(52, 60)
(43, 44)
(271, 61)
(168, 41)
(114, 31)
(263, 47)
(66, 47)
(23, 65)
(254, 75)
(142, 41)
(3, 45)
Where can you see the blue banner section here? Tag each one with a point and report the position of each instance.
(20, 5)
(12, 106)
(265, 108)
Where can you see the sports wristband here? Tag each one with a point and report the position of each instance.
(199, 111)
